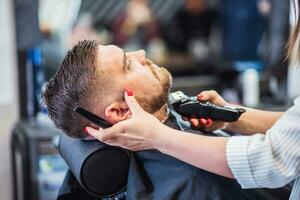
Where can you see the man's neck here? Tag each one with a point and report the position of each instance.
(162, 114)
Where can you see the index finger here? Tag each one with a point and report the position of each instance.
(132, 103)
(102, 135)
(211, 96)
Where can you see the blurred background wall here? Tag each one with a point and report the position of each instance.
(8, 94)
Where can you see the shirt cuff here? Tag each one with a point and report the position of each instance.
(237, 158)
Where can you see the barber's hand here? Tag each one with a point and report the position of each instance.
(207, 124)
(140, 132)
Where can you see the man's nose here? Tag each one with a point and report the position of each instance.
(139, 55)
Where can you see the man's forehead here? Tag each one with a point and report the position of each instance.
(109, 48)
(110, 55)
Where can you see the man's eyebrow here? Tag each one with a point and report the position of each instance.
(124, 61)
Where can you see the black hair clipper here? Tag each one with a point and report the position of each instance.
(190, 107)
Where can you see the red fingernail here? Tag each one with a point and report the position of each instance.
(200, 96)
(193, 123)
(86, 130)
(208, 122)
(202, 121)
(129, 91)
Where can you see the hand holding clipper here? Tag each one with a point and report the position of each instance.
(190, 107)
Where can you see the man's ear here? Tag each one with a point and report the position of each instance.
(117, 111)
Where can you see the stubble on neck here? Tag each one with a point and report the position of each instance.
(162, 114)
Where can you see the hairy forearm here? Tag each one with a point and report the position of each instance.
(254, 121)
(208, 153)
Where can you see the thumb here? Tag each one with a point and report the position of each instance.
(131, 101)
(203, 96)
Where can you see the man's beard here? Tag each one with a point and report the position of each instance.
(153, 103)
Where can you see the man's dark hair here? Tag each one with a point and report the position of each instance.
(70, 87)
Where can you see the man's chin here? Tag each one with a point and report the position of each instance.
(154, 103)
(167, 78)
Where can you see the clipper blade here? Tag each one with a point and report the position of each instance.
(176, 97)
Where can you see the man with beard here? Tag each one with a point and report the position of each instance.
(95, 77)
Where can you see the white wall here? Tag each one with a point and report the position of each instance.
(7, 54)
(8, 95)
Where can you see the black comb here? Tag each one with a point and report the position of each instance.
(92, 117)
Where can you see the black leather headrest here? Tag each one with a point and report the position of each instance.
(101, 170)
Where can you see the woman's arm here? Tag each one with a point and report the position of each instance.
(208, 153)
(254, 121)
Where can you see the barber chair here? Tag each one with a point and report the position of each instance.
(100, 169)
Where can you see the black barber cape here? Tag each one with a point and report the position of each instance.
(156, 176)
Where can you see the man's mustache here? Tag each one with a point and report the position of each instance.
(150, 64)
(148, 61)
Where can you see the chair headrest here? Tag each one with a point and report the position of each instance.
(101, 170)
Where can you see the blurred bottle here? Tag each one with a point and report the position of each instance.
(250, 82)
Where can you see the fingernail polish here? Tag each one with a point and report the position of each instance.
(200, 96)
(208, 122)
(86, 130)
(202, 121)
(129, 91)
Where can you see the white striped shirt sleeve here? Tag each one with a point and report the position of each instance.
(270, 160)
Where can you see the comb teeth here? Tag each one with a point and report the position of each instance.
(175, 97)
